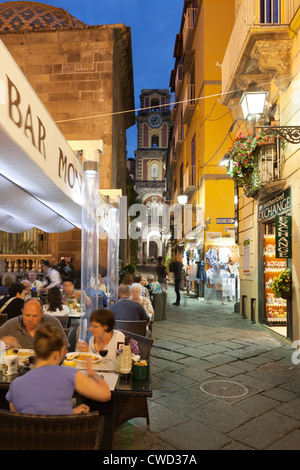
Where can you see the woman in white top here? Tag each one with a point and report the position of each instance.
(136, 295)
(54, 305)
(105, 338)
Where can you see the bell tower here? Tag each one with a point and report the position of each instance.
(153, 128)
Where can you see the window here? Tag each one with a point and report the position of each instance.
(270, 11)
(155, 141)
(155, 104)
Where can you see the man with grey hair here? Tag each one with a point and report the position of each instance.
(23, 327)
(126, 309)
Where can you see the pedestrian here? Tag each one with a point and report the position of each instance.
(161, 272)
(177, 270)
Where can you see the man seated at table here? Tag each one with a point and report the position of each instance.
(70, 294)
(24, 326)
(126, 309)
(36, 285)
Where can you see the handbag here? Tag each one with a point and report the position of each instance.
(6, 304)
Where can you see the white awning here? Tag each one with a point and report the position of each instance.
(40, 176)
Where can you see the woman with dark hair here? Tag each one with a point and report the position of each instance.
(48, 388)
(105, 338)
(54, 305)
(13, 302)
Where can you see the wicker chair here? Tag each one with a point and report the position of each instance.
(63, 320)
(129, 407)
(3, 318)
(137, 326)
(144, 343)
(38, 432)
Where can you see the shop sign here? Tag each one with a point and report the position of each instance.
(283, 236)
(278, 205)
(246, 256)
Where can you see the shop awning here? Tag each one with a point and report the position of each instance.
(40, 176)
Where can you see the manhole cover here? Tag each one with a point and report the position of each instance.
(227, 391)
(224, 389)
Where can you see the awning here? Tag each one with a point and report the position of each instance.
(40, 176)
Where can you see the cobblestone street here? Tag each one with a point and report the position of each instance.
(219, 382)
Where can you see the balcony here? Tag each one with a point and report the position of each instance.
(173, 159)
(189, 180)
(189, 104)
(179, 139)
(22, 263)
(178, 80)
(259, 45)
(189, 28)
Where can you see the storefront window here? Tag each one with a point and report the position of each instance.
(275, 308)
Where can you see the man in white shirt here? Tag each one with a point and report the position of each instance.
(51, 277)
(35, 283)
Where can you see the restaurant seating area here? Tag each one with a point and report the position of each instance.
(38, 432)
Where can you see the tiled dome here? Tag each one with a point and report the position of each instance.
(33, 16)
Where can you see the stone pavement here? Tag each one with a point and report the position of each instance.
(219, 382)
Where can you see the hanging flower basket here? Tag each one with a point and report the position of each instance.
(282, 285)
(243, 163)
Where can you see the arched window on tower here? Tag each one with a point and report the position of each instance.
(155, 141)
(154, 104)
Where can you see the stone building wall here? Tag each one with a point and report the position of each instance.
(82, 76)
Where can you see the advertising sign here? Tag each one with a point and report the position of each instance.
(283, 236)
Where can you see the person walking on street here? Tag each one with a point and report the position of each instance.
(177, 271)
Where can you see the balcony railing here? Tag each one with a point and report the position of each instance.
(189, 28)
(179, 138)
(189, 104)
(189, 180)
(258, 14)
(22, 263)
(178, 79)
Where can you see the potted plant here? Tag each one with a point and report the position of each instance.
(282, 284)
(243, 159)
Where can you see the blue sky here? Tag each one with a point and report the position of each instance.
(154, 25)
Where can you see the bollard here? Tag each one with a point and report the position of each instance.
(253, 303)
(244, 301)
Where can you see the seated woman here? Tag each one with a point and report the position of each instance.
(48, 388)
(13, 302)
(102, 322)
(153, 285)
(136, 295)
(54, 305)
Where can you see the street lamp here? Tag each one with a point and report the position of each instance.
(253, 104)
(182, 199)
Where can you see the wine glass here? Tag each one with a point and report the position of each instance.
(103, 352)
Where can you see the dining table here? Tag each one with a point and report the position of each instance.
(121, 390)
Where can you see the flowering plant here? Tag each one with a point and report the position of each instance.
(282, 283)
(243, 159)
(133, 347)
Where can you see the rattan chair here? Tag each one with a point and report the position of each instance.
(63, 319)
(137, 326)
(128, 406)
(38, 432)
(144, 343)
(3, 318)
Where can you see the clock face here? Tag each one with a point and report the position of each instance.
(155, 120)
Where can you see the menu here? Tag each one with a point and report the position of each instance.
(275, 308)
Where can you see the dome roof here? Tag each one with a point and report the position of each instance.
(33, 16)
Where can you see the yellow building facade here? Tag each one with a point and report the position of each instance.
(201, 133)
(263, 53)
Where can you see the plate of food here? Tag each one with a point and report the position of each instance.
(80, 358)
(23, 354)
